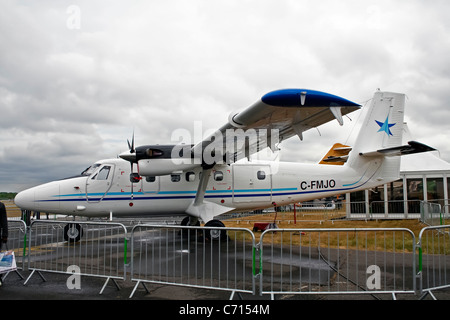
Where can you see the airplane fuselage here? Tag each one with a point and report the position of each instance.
(240, 186)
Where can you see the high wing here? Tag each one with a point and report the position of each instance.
(277, 116)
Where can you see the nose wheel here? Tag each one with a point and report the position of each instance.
(73, 232)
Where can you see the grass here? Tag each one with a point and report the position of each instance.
(286, 221)
(12, 211)
(332, 236)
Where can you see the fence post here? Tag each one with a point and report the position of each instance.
(419, 271)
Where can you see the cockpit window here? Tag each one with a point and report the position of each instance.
(90, 170)
(103, 173)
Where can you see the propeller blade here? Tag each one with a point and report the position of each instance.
(131, 154)
(131, 147)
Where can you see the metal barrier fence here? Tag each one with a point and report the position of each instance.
(326, 210)
(388, 209)
(286, 261)
(189, 256)
(434, 259)
(85, 248)
(17, 236)
(431, 213)
(337, 261)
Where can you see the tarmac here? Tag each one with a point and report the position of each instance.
(55, 287)
(39, 297)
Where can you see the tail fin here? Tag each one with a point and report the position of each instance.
(381, 128)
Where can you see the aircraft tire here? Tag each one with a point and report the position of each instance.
(215, 234)
(185, 222)
(73, 232)
(188, 233)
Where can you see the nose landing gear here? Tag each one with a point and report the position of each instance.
(73, 232)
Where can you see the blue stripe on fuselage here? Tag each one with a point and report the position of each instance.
(173, 195)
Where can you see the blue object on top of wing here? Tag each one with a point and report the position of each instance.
(304, 97)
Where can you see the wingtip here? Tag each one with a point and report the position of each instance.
(305, 98)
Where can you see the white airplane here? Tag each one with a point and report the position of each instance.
(210, 178)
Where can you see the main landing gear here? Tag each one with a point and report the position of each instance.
(210, 234)
(216, 234)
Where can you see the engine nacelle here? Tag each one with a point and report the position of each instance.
(160, 160)
(161, 167)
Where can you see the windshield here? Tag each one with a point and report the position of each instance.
(91, 169)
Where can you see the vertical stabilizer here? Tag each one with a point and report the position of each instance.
(381, 128)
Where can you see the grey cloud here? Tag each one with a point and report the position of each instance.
(72, 96)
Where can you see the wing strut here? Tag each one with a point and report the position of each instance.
(199, 208)
(201, 189)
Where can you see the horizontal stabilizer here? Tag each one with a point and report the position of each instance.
(337, 155)
(337, 160)
(411, 148)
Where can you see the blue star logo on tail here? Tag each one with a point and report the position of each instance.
(385, 126)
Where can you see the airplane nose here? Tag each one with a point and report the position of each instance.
(25, 199)
(42, 198)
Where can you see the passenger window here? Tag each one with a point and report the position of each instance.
(190, 176)
(261, 175)
(150, 179)
(104, 173)
(218, 176)
(175, 177)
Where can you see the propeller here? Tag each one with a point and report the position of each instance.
(131, 157)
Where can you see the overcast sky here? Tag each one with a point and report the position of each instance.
(77, 77)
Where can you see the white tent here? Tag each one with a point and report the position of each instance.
(424, 177)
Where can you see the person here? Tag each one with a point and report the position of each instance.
(3, 225)
(3, 231)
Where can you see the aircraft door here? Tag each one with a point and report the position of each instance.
(252, 183)
(99, 183)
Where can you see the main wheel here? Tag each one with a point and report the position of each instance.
(216, 234)
(189, 233)
(187, 222)
(73, 232)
